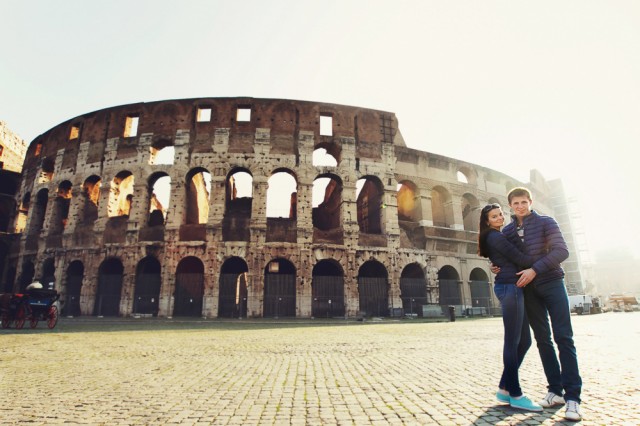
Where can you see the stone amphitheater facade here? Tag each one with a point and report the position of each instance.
(393, 231)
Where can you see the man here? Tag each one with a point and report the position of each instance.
(546, 298)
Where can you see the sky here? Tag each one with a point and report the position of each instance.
(510, 85)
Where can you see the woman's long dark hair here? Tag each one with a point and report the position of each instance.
(483, 250)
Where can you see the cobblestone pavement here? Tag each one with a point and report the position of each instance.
(299, 372)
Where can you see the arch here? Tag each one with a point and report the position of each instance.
(279, 289)
(48, 276)
(46, 171)
(198, 193)
(327, 289)
(61, 208)
(27, 274)
(441, 207)
(480, 290)
(146, 295)
(413, 289)
(159, 196)
(108, 294)
(369, 204)
(162, 151)
(327, 202)
(189, 291)
(233, 295)
(470, 212)
(409, 208)
(91, 192)
(121, 194)
(373, 289)
(38, 215)
(449, 286)
(75, 275)
(282, 194)
(323, 158)
(238, 192)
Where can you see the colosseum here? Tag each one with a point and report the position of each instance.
(244, 207)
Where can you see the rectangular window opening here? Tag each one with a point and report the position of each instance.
(204, 115)
(74, 133)
(131, 126)
(326, 125)
(243, 114)
(38, 150)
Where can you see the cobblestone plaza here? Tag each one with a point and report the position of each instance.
(299, 372)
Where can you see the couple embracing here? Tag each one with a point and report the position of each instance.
(529, 283)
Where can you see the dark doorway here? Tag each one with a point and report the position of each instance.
(327, 290)
(413, 289)
(448, 287)
(75, 274)
(233, 289)
(189, 291)
(146, 296)
(107, 301)
(279, 289)
(373, 289)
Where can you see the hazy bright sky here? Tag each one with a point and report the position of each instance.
(511, 85)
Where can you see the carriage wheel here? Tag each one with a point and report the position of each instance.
(52, 316)
(33, 322)
(21, 315)
(6, 320)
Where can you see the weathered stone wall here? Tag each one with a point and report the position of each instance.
(279, 135)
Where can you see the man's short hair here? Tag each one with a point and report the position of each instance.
(519, 191)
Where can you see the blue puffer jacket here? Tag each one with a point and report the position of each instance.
(544, 241)
(507, 256)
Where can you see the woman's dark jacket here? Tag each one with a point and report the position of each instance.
(507, 256)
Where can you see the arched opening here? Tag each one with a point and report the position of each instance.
(279, 289)
(327, 202)
(238, 202)
(189, 290)
(121, 195)
(322, 158)
(37, 220)
(61, 208)
(109, 290)
(46, 172)
(449, 286)
(233, 289)
(373, 289)
(462, 177)
(470, 212)
(282, 195)
(159, 196)
(408, 202)
(75, 275)
(91, 192)
(413, 289)
(369, 193)
(146, 296)
(198, 191)
(48, 277)
(327, 287)
(23, 213)
(26, 276)
(441, 207)
(480, 292)
(162, 152)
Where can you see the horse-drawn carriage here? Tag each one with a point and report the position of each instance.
(34, 305)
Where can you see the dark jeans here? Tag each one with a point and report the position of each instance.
(549, 301)
(517, 338)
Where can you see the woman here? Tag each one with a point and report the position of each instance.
(517, 338)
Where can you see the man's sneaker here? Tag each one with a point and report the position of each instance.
(551, 400)
(524, 403)
(573, 411)
(502, 398)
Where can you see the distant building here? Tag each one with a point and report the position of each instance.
(12, 149)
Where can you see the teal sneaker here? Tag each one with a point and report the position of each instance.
(503, 398)
(524, 403)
